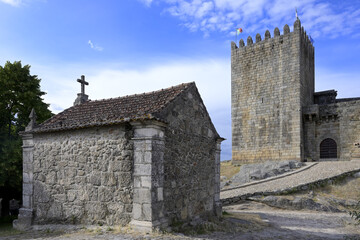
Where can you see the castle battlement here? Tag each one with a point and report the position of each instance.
(298, 30)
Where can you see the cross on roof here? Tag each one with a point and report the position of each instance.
(83, 83)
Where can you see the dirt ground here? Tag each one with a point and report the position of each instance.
(284, 224)
(249, 220)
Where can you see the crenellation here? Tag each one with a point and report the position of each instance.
(276, 32)
(286, 29)
(258, 37)
(241, 43)
(249, 41)
(267, 35)
(233, 46)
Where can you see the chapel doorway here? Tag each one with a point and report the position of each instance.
(328, 148)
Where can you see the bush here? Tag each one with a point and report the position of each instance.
(356, 213)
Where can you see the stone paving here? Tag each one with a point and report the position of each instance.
(317, 173)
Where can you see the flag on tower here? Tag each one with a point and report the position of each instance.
(238, 31)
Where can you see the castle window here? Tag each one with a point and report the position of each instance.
(328, 148)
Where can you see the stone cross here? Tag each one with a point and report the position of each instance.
(83, 83)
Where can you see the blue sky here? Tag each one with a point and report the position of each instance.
(133, 46)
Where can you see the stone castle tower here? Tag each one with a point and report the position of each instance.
(271, 81)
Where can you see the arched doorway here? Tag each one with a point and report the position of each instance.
(328, 148)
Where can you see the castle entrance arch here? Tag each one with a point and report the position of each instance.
(328, 148)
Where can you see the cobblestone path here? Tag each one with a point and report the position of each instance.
(318, 172)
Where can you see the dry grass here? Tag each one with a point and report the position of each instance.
(228, 170)
(347, 189)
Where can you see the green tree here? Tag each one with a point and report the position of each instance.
(19, 93)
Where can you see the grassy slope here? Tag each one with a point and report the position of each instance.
(228, 170)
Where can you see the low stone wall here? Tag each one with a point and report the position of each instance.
(83, 176)
(302, 187)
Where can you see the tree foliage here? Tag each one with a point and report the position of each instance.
(19, 93)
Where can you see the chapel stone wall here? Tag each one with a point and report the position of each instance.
(271, 80)
(83, 176)
(191, 160)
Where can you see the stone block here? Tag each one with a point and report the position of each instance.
(146, 212)
(105, 194)
(142, 195)
(148, 157)
(26, 178)
(95, 179)
(142, 169)
(108, 179)
(137, 211)
(146, 182)
(26, 201)
(71, 195)
(148, 132)
(137, 182)
(160, 195)
(126, 166)
(125, 179)
(60, 197)
(27, 189)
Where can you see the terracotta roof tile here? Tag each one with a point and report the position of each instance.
(113, 110)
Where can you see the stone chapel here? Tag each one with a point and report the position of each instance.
(146, 160)
(275, 112)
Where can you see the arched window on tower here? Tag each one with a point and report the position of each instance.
(328, 148)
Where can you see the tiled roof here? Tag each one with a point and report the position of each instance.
(114, 110)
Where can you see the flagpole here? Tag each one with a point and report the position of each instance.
(235, 36)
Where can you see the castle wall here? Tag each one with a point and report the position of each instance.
(191, 160)
(271, 81)
(338, 121)
(83, 176)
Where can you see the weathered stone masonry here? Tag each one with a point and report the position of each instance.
(339, 121)
(276, 115)
(192, 168)
(83, 176)
(271, 81)
(147, 160)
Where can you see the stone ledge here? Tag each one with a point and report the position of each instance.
(146, 226)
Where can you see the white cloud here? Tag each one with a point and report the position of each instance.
(319, 17)
(14, 3)
(95, 47)
(146, 2)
